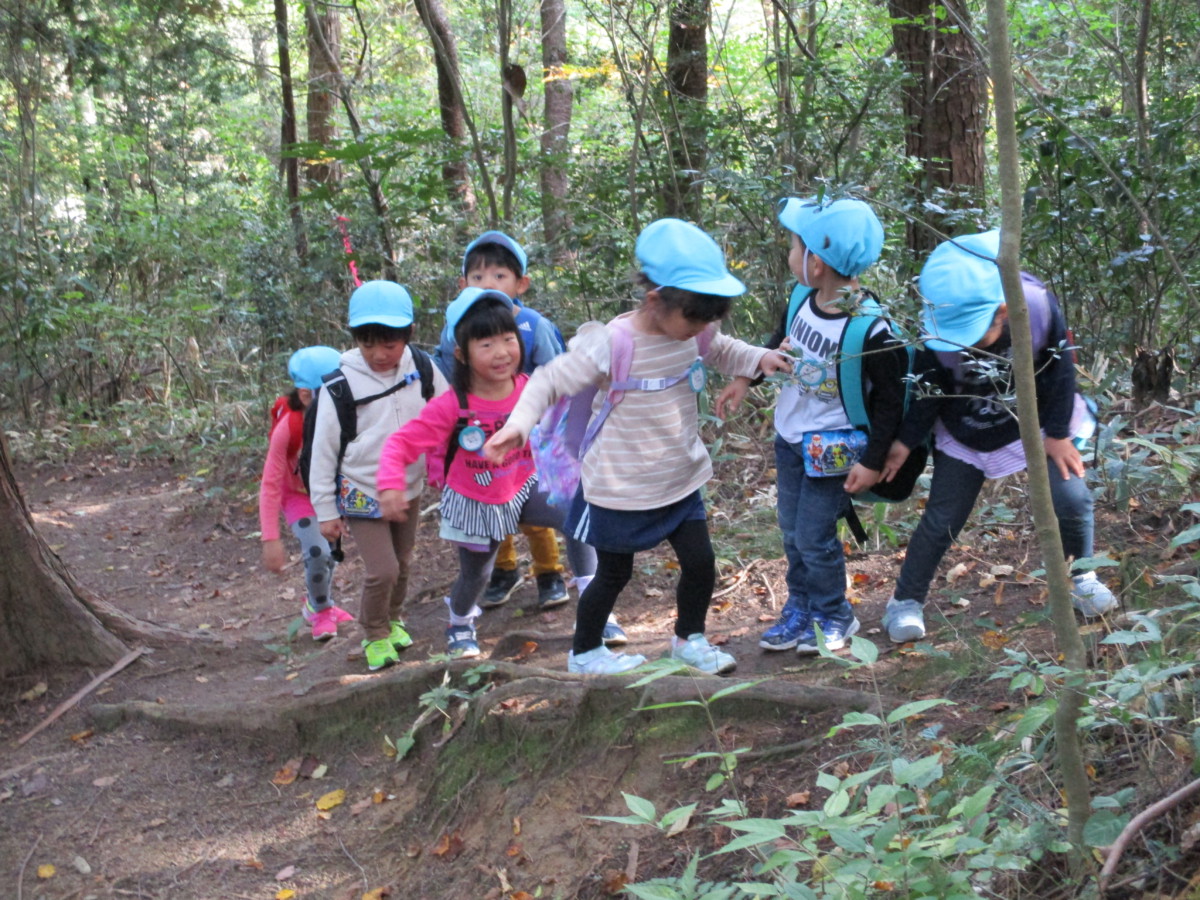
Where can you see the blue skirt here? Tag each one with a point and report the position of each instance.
(629, 530)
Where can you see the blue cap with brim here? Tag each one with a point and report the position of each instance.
(469, 297)
(677, 254)
(308, 364)
(501, 239)
(380, 303)
(961, 285)
(846, 234)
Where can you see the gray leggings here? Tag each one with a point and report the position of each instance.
(475, 566)
(318, 562)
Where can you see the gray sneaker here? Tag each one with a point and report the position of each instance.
(603, 661)
(1090, 595)
(904, 620)
(698, 653)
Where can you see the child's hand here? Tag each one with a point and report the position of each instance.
(393, 506)
(897, 457)
(732, 396)
(785, 345)
(332, 529)
(773, 361)
(273, 556)
(502, 443)
(1064, 454)
(860, 479)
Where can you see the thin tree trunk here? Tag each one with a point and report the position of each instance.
(1070, 696)
(43, 618)
(287, 132)
(323, 88)
(556, 217)
(453, 109)
(944, 100)
(687, 91)
(504, 14)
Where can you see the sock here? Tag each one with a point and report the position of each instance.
(581, 583)
(468, 619)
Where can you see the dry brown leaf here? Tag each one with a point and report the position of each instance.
(378, 893)
(958, 571)
(34, 692)
(80, 736)
(251, 864)
(288, 774)
(308, 765)
(516, 826)
(106, 781)
(613, 881)
(449, 846)
(514, 849)
(994, 640)
(798, 800)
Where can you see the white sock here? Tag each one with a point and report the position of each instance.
(468, 619)
(581, 583)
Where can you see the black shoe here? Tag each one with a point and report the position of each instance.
(500, 588)
(551, 590)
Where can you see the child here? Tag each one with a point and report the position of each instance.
(975, 429)
(283, 491)
(832, 243)
(494, 261)
(483, 501)
(642, 476)
(380, 320)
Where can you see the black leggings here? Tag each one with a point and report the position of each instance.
(697, 577)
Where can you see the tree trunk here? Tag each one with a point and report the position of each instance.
(556, 217)
(1071, 764)
(453, 110)
(944, 100)
(323, 88)
(44, 619)
(687, 92)
(287, 131)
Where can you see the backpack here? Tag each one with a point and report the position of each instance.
(335, 386)
(283, 410)
(853, 392)
(568, 428)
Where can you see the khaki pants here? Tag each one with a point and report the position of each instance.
(386, 549)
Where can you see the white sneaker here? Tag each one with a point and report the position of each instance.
(904, 620)
(1090, 595)
(603, 661)
(698, 653)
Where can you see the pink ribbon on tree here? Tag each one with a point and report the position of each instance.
(342, 220)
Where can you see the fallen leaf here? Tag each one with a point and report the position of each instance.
(288, 773)
(360, 806)
(255, 864)
(958, 572)
(285, 873)
(613, 881)
(309, 765)
(798, 799)
(413, 851)
(1000, 706)
(520, 895)
(46, 871)
(514, 849)
(378, 893)
(994, 640)
(80, 736)
(203, 679)
(449, 846)
(285, 894)
(320, 771)
(328, 801)
(106, 781)
(516, 825)
(861, 578)
(156, 823)
(527, 650)
(380, 796)
(34, 692)
(1002, 571)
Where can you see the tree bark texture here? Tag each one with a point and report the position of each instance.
(43, 617)
(287, 131)
(556, 217)
(944, 104)
(323, 88)
(687, 91)
(453, 112)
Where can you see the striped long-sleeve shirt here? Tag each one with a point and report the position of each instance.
(649, 453)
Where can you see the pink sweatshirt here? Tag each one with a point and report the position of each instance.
(470, 475)
(282, 488)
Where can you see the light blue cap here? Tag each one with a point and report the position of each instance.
(961, 285)
(467, 298)
(677, 254)
(381, 303)
(846, 234)
(503, 240)
(308, 364)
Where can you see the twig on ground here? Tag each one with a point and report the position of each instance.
(1153, 811)
(770, 591)
(738, 580)
(24, 863)
(85, 690)
(9, 773)
(349, 856)
(631, 865)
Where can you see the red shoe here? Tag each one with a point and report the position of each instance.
(324, 623)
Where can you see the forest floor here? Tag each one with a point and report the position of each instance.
(196, 772)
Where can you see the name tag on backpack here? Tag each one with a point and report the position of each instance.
(830, 453)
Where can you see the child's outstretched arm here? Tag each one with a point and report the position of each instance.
(502, 443)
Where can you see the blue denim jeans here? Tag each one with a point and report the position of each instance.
(809, 509)
(952, 495)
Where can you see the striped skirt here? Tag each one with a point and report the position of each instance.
(494, 521)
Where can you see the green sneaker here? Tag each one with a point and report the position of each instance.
(399, 637)
(380, 654)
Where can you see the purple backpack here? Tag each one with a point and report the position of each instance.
(568, 428)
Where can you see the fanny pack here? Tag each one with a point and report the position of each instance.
(832, 453)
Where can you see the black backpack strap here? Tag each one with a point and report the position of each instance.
(452, 447)
(424, 363)
(855, 525)
(337, 389)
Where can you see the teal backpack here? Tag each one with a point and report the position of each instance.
(852, 386)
